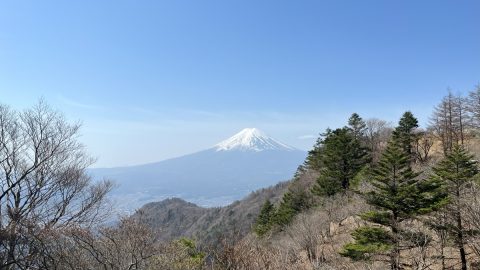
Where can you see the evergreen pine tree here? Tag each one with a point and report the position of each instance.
(456, 171)
(357, 126)
(397, 195)
(405, 135)
(314, 157)
(342, 157)
(264, 220)
(293, 202)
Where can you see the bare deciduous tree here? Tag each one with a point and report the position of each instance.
(129, 245)
(423, 144)
(310, 234)
(473, 106)
(377, 134)
(44, 186)
(449, 121)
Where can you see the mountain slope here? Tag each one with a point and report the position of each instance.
(173, 218)
(230, 170)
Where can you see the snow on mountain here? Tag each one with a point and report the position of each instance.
(247, 161)
(251, 139)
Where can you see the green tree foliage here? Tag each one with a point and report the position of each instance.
(342, 157)
(314, 160)
(196, 257)
(263, 223)
(456, 171)
(404, 133)
(293, 202)
(398, 194)
(180, 254)
(368, 240)
(357, 126)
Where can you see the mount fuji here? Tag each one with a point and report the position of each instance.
(228, 171)
(251, 139)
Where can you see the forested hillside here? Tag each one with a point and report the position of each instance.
(173, 218)
(370, 195)
(387, 196)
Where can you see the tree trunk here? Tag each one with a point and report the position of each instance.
(395, 253)
(460, 239)
(461, 247)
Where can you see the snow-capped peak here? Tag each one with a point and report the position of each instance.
(251, 139)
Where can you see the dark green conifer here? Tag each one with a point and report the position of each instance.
(357, 126)
(264, 220)
(342, 157)
(314, 157)
(293, 202)
(398, 194)
(405, 135)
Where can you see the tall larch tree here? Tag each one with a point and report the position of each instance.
(473, 106)
(451, 118)
(457, 171)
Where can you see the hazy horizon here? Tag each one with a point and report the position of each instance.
(154, 80)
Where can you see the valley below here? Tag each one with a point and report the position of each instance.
(248, 161)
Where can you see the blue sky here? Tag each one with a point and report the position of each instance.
(157, 79)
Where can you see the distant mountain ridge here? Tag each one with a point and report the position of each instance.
(228, 171)
(174, 218)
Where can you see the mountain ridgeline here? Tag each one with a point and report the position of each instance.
(229, 171)
(176, 218)
(368, 196)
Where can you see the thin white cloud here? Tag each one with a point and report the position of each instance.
(307, 137)
(73, 103)
(204, 113)
(143, 111)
